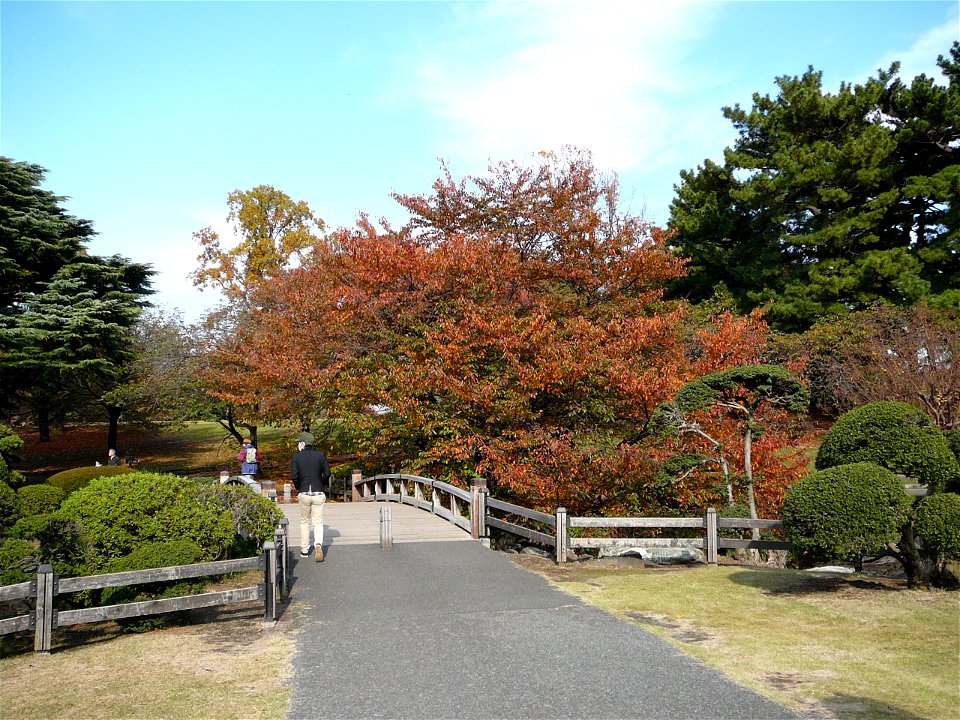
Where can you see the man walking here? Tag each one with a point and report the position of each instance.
(310, 474)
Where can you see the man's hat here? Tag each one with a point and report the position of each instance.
(306, 438)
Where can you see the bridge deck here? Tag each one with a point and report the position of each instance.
(359, 524)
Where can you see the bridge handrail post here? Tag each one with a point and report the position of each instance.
(356, 477)
(478, 508)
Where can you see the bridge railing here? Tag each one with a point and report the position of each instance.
(476, 512)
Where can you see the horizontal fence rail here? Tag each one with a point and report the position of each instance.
(44, 618)
(476, 512)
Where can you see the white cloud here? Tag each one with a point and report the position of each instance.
(525, 77)
(921, 57)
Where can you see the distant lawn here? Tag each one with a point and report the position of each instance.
(197, 448)
(835, 646)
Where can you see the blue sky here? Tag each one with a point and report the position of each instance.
(147, 114)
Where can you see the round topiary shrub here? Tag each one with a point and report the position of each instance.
(845, 512)
(937, 521)
(72, 480)
(39, 499)
(894, 435)
(119, 514)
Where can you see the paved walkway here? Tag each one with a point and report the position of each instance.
(454, 630)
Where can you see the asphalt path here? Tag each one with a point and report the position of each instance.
(455, 630)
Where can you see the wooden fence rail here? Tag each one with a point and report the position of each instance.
(474, 511)
(46, 587)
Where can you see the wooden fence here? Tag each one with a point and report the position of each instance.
(475, 511)
(46, 587)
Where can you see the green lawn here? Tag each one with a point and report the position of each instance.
(856, 646)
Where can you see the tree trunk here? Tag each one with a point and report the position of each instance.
(748, 471)
(920, 569)
(113, 415)
(42, 413)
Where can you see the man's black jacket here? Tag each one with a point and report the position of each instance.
(310, 471)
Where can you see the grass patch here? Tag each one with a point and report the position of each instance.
(233, 669)
(197, 448)
(851, 647)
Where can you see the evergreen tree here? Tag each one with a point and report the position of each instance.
(830, 203)
(64, 330)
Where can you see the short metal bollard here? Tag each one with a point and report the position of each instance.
(386, 529)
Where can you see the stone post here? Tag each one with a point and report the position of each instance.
(478, 508)
(386, 529)
(561, 534)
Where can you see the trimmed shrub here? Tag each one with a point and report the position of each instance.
(18, 561)
(10, 444)
(119, 514)
(55, 540)
(153, 555)
(937, 522)
(39, 499)
(9, 508)
(953, 441)
(845, 512)
(255, 518)
(895, 435)
(72, 480)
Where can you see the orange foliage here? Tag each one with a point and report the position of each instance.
(514, 328)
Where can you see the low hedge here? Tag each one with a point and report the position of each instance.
(76, 478)
(39, 499)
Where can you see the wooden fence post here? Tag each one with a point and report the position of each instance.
(434, 499)
(561, 534)
(44, 614)
(478, 508)
(386, 529)
(283, 548)
(269, 581)
(711, 538)
(355, 477)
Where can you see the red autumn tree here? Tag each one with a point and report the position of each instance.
(514, 328)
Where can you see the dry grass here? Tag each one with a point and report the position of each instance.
(233, 668)
(833, 647)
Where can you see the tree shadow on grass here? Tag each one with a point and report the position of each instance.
(792, 582)
(848, 707)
